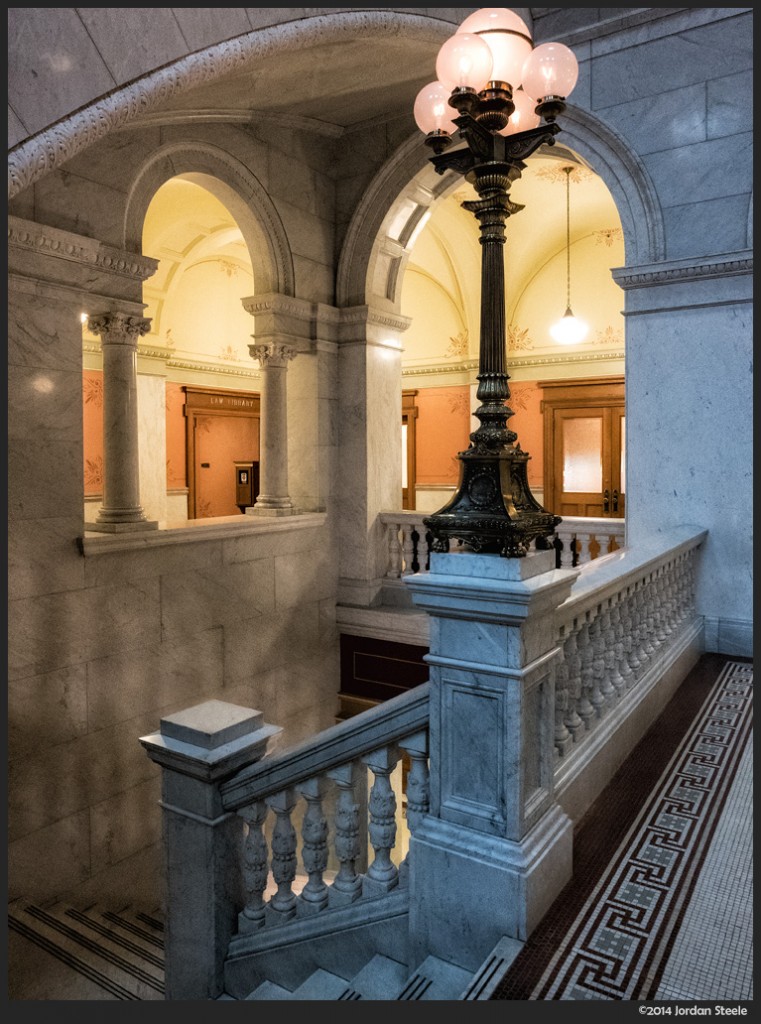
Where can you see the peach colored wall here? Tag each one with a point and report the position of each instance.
(92, 414)
(220, 442)
(443, 429)
(176, 466)
(528, 424)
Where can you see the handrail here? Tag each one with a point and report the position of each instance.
(608, 575)
(364, 733)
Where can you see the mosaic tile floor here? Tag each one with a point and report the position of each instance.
(660, 907)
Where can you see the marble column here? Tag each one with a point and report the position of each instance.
(121, 511)
(273, 497)
(496, 848)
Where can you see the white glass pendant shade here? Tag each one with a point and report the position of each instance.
(524, 116)
(464, 62)
(550, 70)
(507, 36)
(432, 111)
(569, 330)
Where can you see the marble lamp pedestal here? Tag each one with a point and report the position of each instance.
(495, 849)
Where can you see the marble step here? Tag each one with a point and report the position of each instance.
(436, 979)
(381, 978)
(321, 985)
(119, 953)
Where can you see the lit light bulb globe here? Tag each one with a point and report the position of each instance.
(524, 116)
(507, 36)
(464, 62)
(432, 111)
(550, 70)
(569, 330)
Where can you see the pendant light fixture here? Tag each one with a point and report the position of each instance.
(569, 330)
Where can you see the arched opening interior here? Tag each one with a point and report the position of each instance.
(198, 388)
(440, 292)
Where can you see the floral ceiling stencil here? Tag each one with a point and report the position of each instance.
(518, 340)
(558, 174)
(609, 237)
(93, 391)
(458, 346)
(610, 337)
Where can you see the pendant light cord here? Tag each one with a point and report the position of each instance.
(568, 235)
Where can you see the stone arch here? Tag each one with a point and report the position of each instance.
(377, 243)
(53, 146)
(237, 188)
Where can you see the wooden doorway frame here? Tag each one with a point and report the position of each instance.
(409, 419)
(201, 401)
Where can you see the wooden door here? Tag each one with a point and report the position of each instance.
(409, 419)
(585, 448)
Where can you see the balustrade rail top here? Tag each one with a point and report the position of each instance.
(607, 575)
(391, 721)
(591, 524)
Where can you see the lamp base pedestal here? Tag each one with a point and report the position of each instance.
(493, 510)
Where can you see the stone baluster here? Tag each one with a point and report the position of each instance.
(582, 541)
(673, 610)
(563, 737)
(255, 868)
(631, 634)
(394, 571)
(623, 668)
(408, 549)
(605, 657)
(613, 678)
(347, 885)
(641, 623)
(418, 790)
(382, 875)
(314, 852)
(282, 906)
(684, 589)
(597, 697)
(574, 722)
(121, 511)
(661, 632)
(586, 707)
(648, 593)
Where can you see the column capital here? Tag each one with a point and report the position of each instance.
(273, 353)
(119, 328)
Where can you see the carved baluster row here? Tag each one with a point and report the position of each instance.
(418, 789)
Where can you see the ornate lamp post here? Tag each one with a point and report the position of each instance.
(480, 71)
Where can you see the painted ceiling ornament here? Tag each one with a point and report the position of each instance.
(518, 340)
(608, 237)
(459, 346)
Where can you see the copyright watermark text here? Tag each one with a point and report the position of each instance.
(648, 1010)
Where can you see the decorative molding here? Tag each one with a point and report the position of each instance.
(248, 118)
(733, 265)
(47, 241)
(213, 368)
(579, 357)
(465, 366)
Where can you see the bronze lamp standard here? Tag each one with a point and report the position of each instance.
(481, 70)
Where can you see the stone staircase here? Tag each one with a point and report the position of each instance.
(89, 952)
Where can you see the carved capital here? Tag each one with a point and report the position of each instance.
(119, 328)
(273, 354)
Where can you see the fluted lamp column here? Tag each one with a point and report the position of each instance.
(493, 89)
(273, 499)
(121, 511)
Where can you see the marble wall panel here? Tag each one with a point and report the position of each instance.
(260, 645)
(314, 280)
(43, 557)
(52, 631)
(151, 428)
(190, 670)
(293, 178)
(16, 131)
(204, 26)
(676, 118)
(121, 686)
(73, 203)
(685, 58)
(311, 237)
(301, 581)
(47, 709)
(114, 160)
(262, 545)
(688, 174)
(45, 403)
(730, 105)
(45, 479)
(717, 226)
(151, 563)
(124, 825)
(43, 333)
(197, 601)
(53, 65)
(51, 861)
(153, 34)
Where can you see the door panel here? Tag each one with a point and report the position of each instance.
(585, 453)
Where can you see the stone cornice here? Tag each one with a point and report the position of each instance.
(680, 271)
(46, 241)
(357, 315)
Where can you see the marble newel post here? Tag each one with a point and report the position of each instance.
(496, 848)
(121, 511)
(197, 750)
(273, 497)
